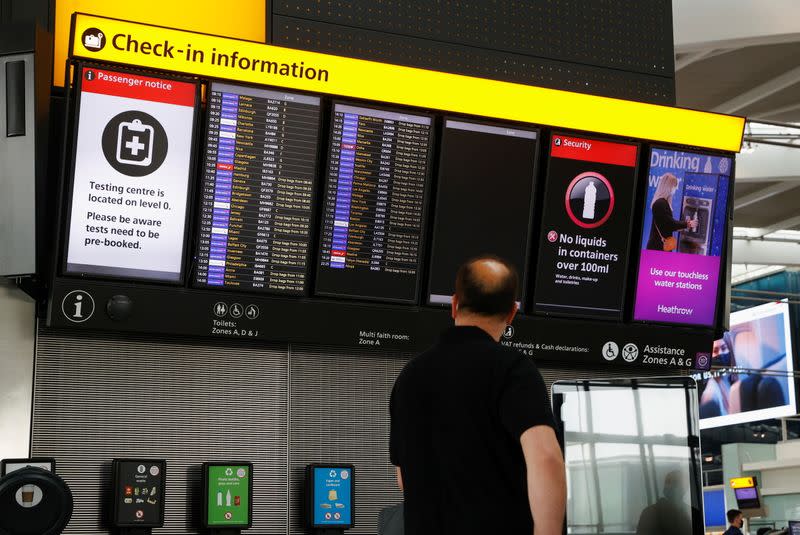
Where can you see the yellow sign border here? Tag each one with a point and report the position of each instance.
(224, 58)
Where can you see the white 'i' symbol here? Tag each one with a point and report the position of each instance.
(78, 306)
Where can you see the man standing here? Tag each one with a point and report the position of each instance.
(472, 432)
(736, 520)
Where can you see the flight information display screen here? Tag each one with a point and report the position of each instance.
(256, 210)
(374, 212)
(484, 200)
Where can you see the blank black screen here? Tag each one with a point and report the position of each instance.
(484, 200)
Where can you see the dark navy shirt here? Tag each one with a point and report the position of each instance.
(458, 411)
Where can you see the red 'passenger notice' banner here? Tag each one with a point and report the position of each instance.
(121, 84)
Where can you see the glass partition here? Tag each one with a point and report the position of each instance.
(632, 451)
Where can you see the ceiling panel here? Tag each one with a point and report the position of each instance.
(744, 188)
(709, 83)
(782, 99)
(769, 211)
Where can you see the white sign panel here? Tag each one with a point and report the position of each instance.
(131, 176)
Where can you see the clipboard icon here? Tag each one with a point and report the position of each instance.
(135, 143)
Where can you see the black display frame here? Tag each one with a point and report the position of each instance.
(626, 304)
(524, 275)
(315, 195)
(722, 303)
(205, 522)
(353, 309)
(424, 225)
(309, 495)
(72, 124)
(116, 468)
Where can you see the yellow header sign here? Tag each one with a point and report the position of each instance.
(742, 483)
(230, 59)
(242, 19)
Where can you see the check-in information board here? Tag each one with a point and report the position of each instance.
(321, 178)
(131, 175)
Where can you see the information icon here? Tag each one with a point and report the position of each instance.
(77, 306)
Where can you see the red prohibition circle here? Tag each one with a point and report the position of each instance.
(610, 210)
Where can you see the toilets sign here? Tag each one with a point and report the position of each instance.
(583, 252)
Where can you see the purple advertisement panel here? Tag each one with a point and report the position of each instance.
(685, 222)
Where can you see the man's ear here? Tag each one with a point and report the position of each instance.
(453, 306)
(513, 313)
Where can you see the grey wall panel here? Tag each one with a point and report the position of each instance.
(17, 338)
(339, 412)
(103, 396)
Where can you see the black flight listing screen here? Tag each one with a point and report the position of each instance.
(257, 195)
(378, 169)
(586, 226)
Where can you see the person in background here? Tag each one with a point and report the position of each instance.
(736, 521)
(671, 515)
(663, 224)
(472, 432)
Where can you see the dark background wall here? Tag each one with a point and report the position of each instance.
(616, 48)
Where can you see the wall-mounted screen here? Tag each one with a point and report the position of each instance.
(759, 339)
(374, 205)
(586, 227)
(684, 232)
(483, 201)
(138, 492)
(632, 454)
(130, 175)
(256, 207)
(228, 495)
(330, 491)
(747, 498)
(714, 507)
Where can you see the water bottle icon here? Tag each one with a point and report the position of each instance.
(589, 200)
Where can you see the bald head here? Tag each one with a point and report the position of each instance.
(487, 286)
